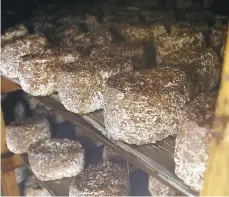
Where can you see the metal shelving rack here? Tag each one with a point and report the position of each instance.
(154, 159)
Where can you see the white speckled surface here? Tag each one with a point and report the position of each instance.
(202, 67)
(81, 84)
(56, 158)
(192, 142)
(103, 179)
(166, 43)
(20, 135)
(38, 73)
(13, 50)
(144, 107)
(15, 32)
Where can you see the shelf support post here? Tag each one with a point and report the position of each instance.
(216, 177)
(9, 183)
(9, 161)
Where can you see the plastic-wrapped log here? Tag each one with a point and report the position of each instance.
(141, 32)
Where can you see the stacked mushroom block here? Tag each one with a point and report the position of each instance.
(21, 135)
(149, 102)
(137, 32)
(168, 43)
(54, 159)
(38, 73)
(103, 179)
(202, 67)
(15, 32)
(94, 65)
(189, 27)
(13, 50)
(81, 85)
(71, 36)
(140, 54)
(192, 143)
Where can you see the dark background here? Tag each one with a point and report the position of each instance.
(14, 11)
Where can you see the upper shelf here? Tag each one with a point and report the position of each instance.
(155, 159)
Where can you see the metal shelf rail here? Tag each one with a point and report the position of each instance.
(155, 159)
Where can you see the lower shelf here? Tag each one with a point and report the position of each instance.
(155, 159)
